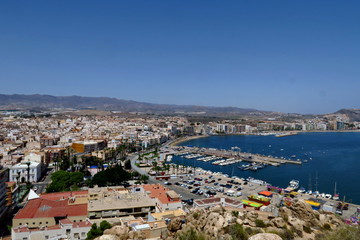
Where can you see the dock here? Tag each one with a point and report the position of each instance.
(247, 157)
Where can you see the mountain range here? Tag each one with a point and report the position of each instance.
(49, 102)
(46, 102)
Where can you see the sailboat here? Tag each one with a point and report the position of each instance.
(309, 190)
(336, 196)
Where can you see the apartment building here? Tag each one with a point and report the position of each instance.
(114, 203)
(165, 198)
(3, 194)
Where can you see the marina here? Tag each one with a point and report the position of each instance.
(229, 156)
(330, 157)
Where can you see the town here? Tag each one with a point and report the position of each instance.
(68, 175)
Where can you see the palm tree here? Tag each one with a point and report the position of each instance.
(177, 169)
(28, 171)
(18, 185)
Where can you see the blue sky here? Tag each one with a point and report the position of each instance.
(288, 56)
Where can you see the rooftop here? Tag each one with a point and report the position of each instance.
(51, 205)
(121, 201)
(162, 193)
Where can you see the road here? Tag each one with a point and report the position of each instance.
(41, 186)
(185, 194)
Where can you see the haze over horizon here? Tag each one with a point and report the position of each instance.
(286, 56)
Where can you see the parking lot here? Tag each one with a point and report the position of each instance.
(215, 185)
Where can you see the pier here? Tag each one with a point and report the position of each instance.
(247, 157)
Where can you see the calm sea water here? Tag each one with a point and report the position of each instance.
(332, 157)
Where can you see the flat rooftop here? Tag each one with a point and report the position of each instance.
(121, 201)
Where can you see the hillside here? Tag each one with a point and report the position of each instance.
(298, 222)
(353, 114)
(105, 103)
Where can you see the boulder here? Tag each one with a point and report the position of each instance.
(122, 232)
(220, 222)
(278, 222)
(265, 236)
(108, 237)
(296, 223)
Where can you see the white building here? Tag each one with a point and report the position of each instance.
(22, 169)
(64, 230)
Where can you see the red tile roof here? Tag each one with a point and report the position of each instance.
(159, 191)
(62, 195)
(39, 208)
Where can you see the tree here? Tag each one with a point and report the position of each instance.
(127, 165)
(111, 177)
(94, 232)
(144, 178)
(28, 171)
(65, 181)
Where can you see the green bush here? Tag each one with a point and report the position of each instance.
(344, 233)
(235, 213)
(307, 229)
(260, 223)
(190, 234)
(287, 234)
(196, 215)
(237, 232)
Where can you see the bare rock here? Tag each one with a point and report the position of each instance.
(122, 232)
(265, 236)
(278, 222)
(220, 222)
(252, 216)
(108, 237)
(217, 209)
(296, 223)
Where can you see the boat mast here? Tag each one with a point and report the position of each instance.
(316, 182)
(309, 182)
(335, 189)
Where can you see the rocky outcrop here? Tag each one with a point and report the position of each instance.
(265, 236)
(298, 221)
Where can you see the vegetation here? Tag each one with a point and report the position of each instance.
(237, 232)
(127, 165)
(96, 231)
(190, 234)
(235, 213)
(307, 229)
(111, 177)
(260, 223)
(65, 181)
(344, 233)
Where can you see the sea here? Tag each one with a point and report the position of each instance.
(332, 157)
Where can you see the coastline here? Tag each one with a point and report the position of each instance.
(188, 138)
(290, 133)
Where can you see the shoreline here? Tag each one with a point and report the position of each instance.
(185, 139)
(291, 133)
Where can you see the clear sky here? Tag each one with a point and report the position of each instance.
(290, 56)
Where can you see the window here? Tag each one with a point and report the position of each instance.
(76, 235)
(46, 236)
(83, 234)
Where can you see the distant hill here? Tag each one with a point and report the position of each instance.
(38, 101)
(353, 114)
